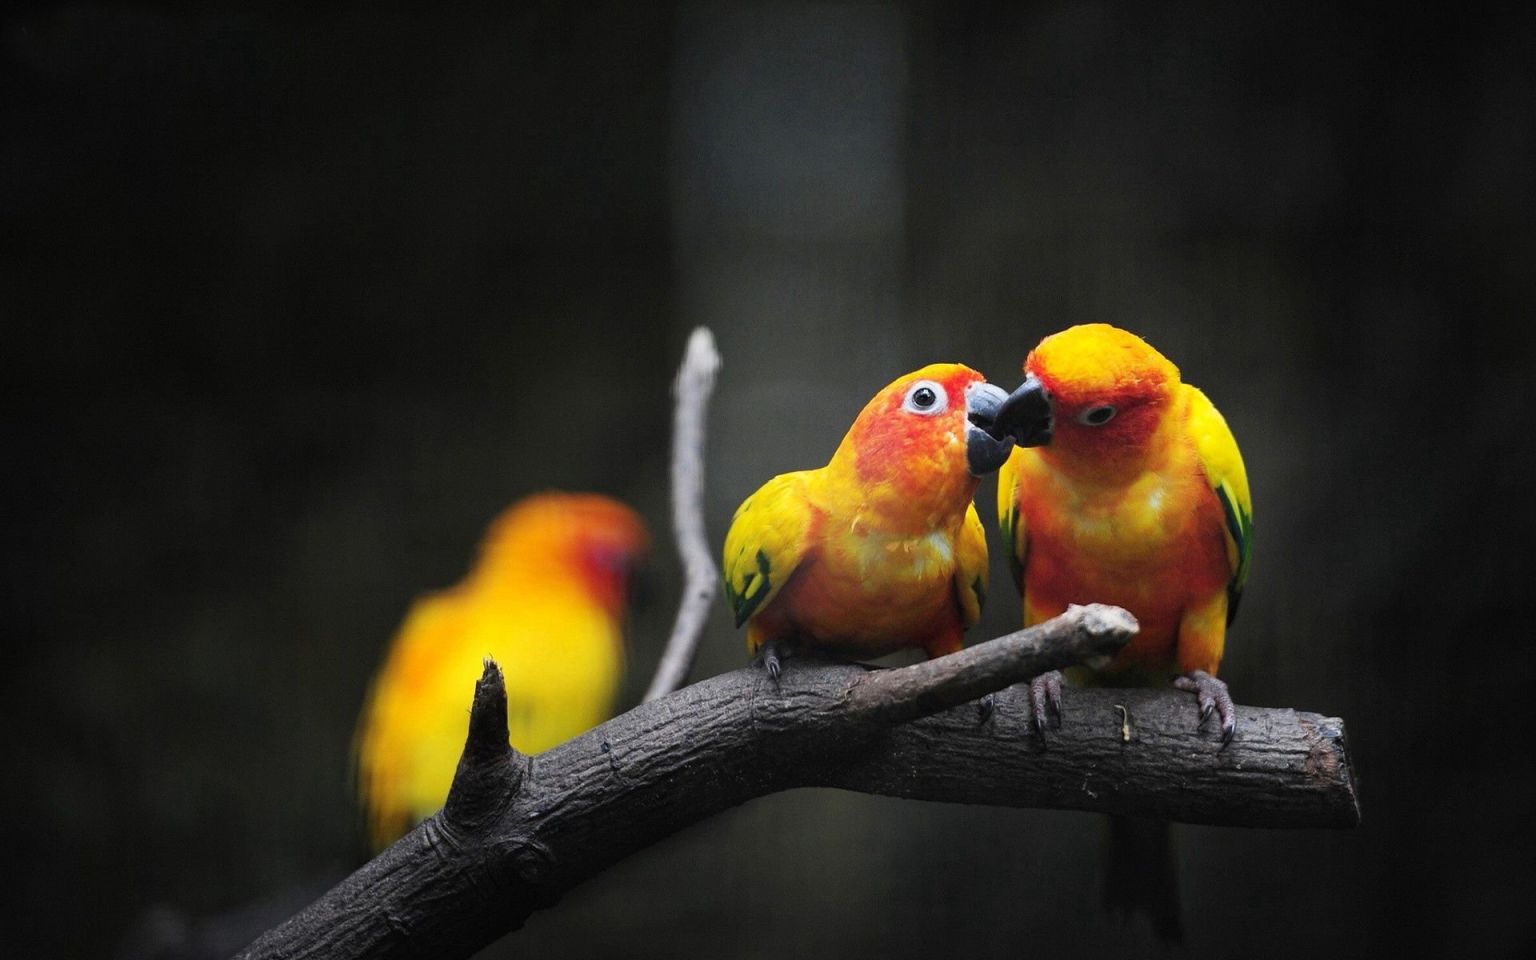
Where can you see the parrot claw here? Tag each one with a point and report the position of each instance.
(1045, 696)
(1212, 696)
(985, 706)
(774, 654)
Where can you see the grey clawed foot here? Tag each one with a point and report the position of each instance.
(774, 653)
(1212, 696)
(985, 706)
(1044, 695)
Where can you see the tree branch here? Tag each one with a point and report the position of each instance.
(691, 391)
(1092, 633)
(518, 832)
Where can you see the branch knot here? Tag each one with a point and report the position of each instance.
(490, 771)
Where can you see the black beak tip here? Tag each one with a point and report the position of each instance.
(1026, 415)
(985, 453)
(982, 403)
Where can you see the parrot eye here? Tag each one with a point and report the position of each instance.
(925, 398)
(1097, 416)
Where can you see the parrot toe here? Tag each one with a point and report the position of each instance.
(985, 707)
(1212, 696)
(775, 652)
(1044, 695)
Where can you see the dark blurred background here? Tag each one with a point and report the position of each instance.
(293, 302)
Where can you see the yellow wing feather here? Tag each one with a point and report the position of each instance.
(393, 736)
(1223, 465)
(971, 567)
(1009, 519)
(766, 542)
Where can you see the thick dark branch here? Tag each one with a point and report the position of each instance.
(455, 883)
(1136, 751)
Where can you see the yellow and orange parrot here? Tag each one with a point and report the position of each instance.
(881, 549)
(1137, 497)
(547, 600)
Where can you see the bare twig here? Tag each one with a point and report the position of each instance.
(893, 696)
(457, 882)
(701, 579)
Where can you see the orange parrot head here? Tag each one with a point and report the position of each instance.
(585, 538)
(928, 433)
(1105, 391)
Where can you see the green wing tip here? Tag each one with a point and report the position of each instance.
(1240, 526)
(1010, 524)
(745, 605)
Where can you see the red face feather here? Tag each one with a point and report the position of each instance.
(1109, 390)
(593, 538)
(913, 440)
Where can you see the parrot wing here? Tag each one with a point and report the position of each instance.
(1223, 465)
(389, 738)
(971, 567)
(766, 542)
(1010, 519)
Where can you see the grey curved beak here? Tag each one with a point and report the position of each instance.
(1025, 416)
(985, 450)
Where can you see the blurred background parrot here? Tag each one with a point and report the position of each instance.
(1137, 497)
(547, 599)
(881, 549)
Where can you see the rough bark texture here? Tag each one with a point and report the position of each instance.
(517, 832)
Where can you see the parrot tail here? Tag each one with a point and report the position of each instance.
(1142, 875)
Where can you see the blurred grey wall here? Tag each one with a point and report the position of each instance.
(294, 301)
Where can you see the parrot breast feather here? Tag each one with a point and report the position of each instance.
(766, 542)
(1223, 465)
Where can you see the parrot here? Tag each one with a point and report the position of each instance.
(881, 549)
(1136, 496)
(547, 598)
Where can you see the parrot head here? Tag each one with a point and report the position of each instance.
(585, 538)
(1105, 391)
(928, 433)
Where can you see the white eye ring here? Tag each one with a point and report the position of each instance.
(926, 399)
(1097, 416)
